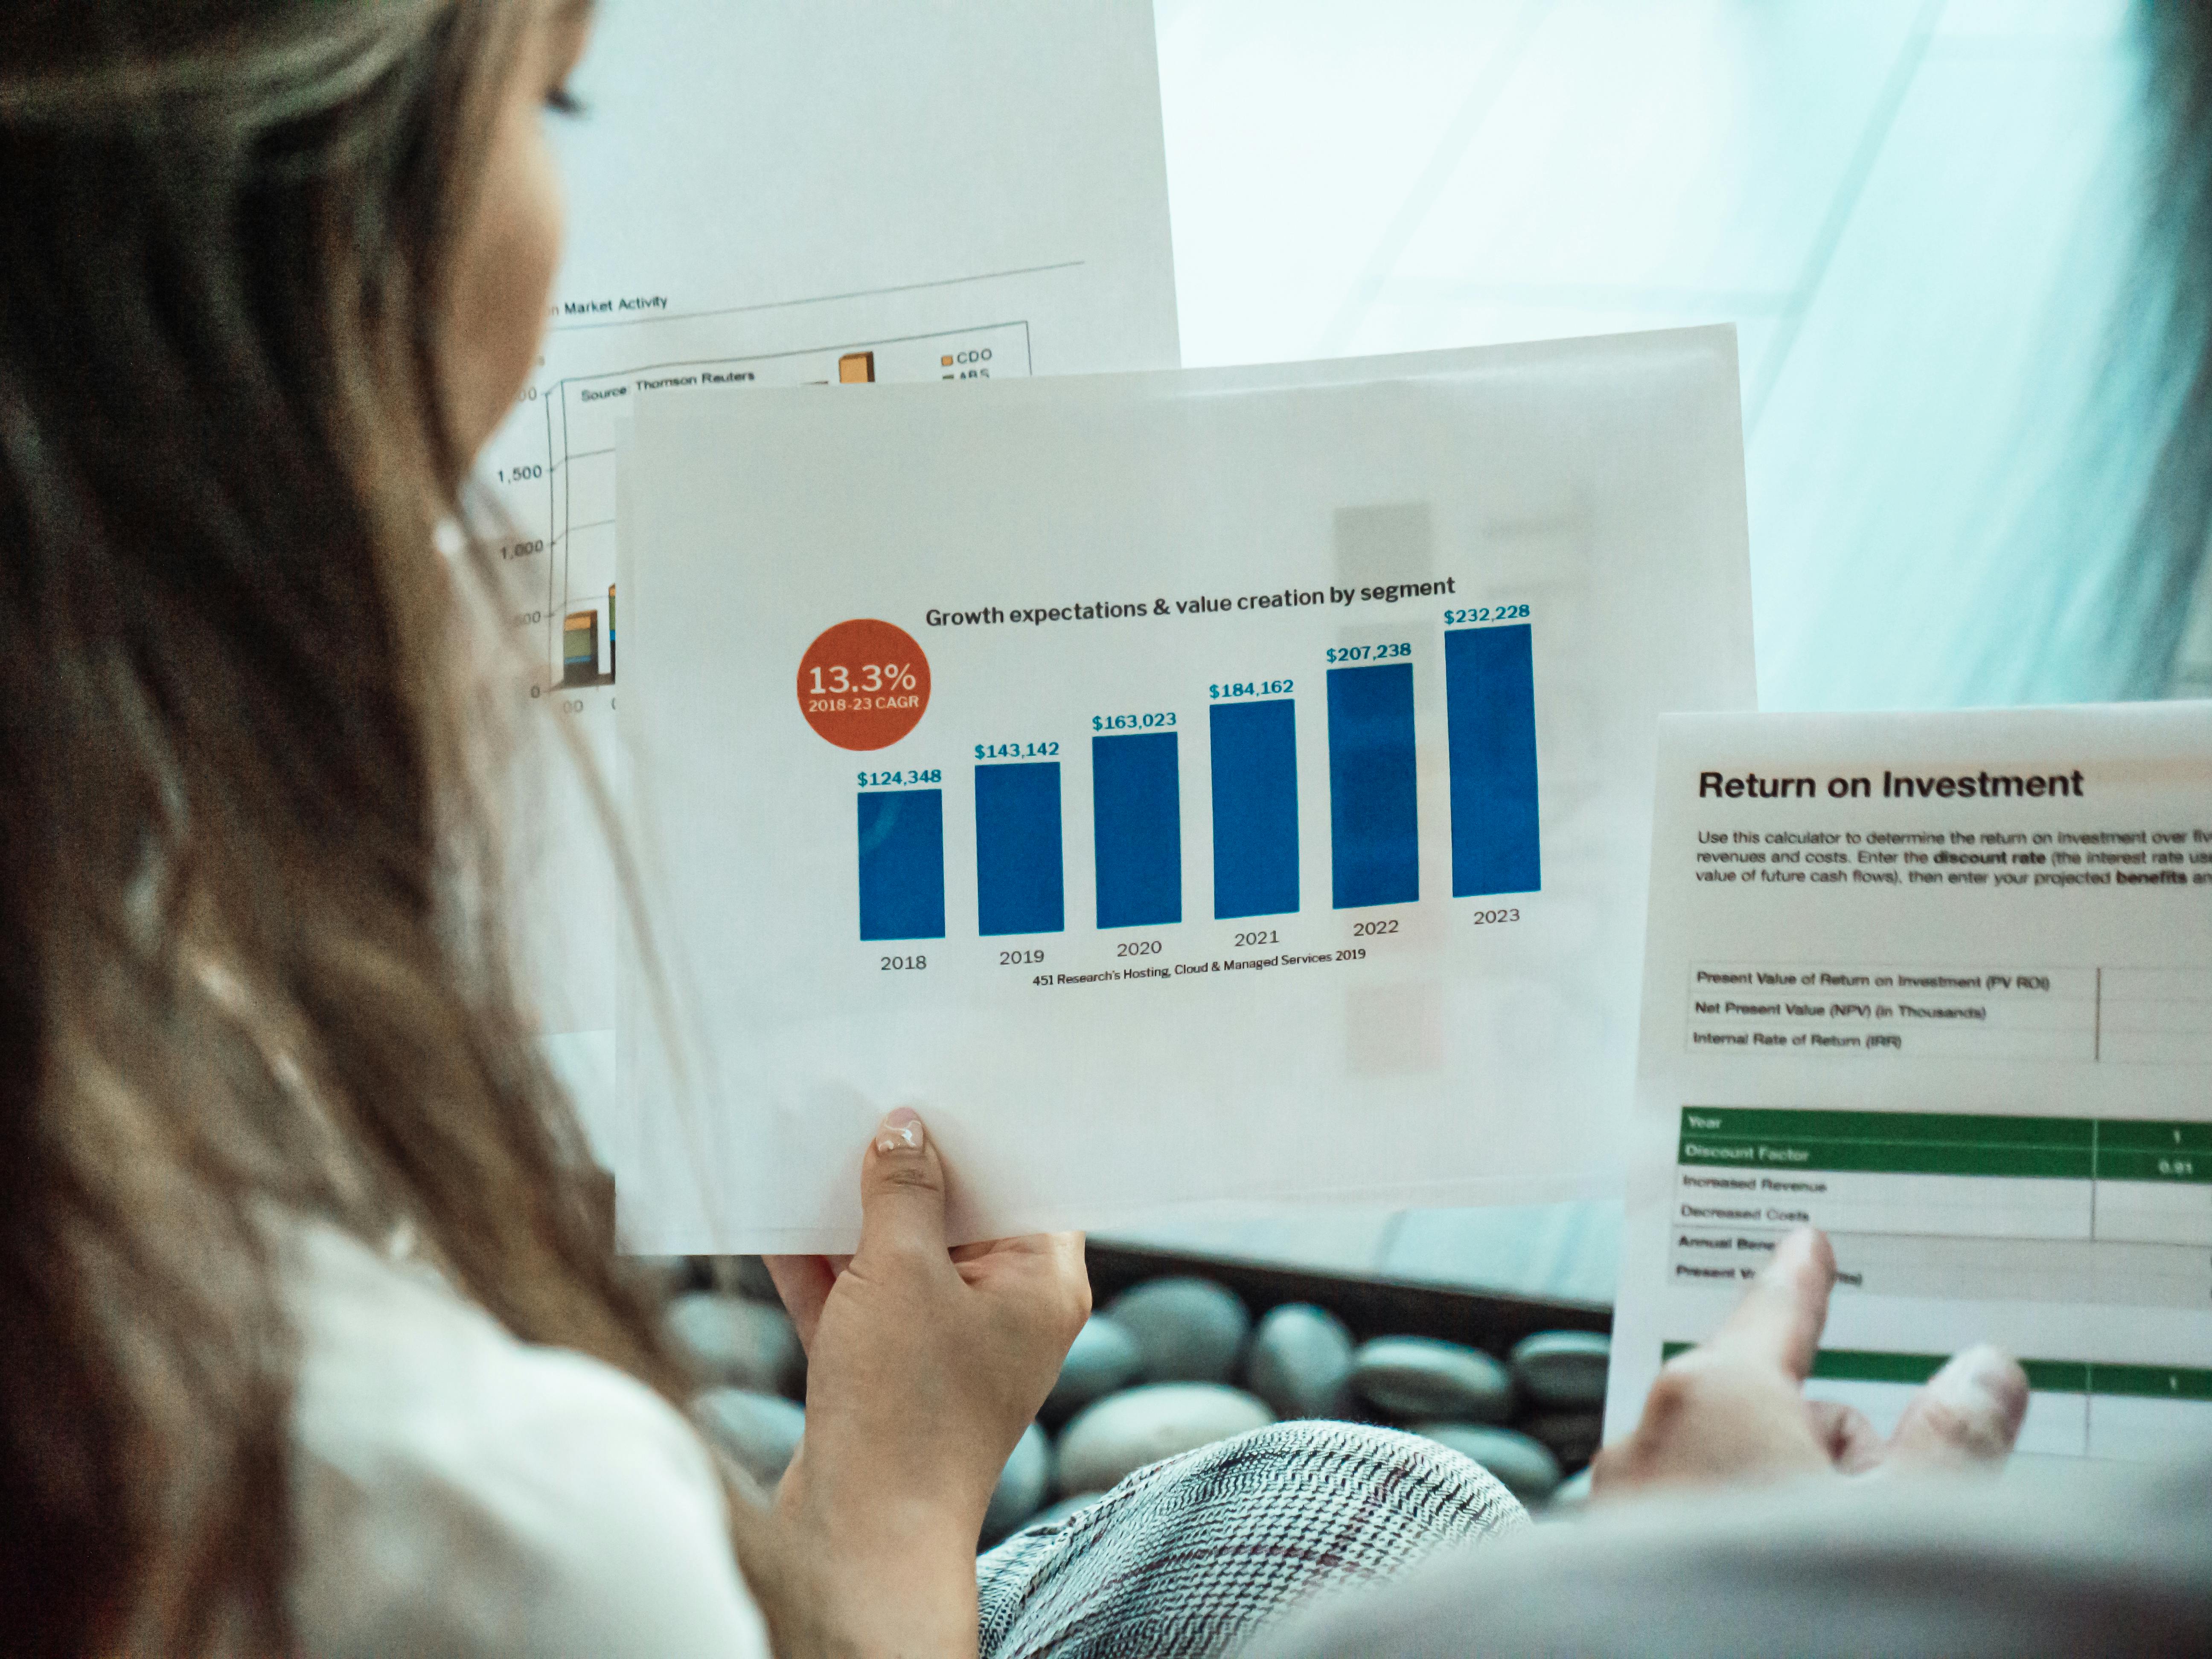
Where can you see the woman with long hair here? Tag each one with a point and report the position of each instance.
(312, 1334)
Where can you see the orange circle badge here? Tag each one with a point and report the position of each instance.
(863, 684)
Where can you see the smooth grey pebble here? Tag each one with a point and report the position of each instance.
(759, 1432)
(1119, 1435)
(732, 1343)
(670, 1275)
(1187, 1330)
(1301, 1362)
(1564, 1368)
(1022, 1485)
(746, 1276)
(1523, 1467)
(1570, 1498)
(1573, 1437)
(1423, 1376)
(1103, 1358)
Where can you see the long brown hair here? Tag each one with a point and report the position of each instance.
(249, 955)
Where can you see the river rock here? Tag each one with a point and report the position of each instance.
(744, 1275)
(668, 1275)
(759, 1432)
(1422, 1377)
(1104, 1358)
(1573, 1437)
(1187, 1330)
(1571, 1498)
(1022, 1485)
(1301, 1362)
(1124, 1431)
(1564, 1368)
(1523, 1467)
(732, 1343)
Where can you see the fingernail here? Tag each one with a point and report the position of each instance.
(901, 1131)
(1988, 1392)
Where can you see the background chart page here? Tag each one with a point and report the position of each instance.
(794, 193)
(1961, 1019)
(1180, 786)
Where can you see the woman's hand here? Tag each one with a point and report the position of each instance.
(1734, 1410)
(924, 1366)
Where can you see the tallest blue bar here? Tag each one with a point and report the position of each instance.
(1490, 693)
(1374, 817)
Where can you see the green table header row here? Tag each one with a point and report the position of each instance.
(1945, 1143)
(2044, 1376)
(1893, 1129)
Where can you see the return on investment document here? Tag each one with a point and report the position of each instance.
(1179, 786)
(1941, 986)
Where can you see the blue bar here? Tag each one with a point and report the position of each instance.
(903, 864)
(1374, 823)
(1490, 689)
(1256, 808)
(1018, 870)
(1136, 822)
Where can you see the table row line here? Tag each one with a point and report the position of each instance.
(2113, 986)
(2160, 1016)
(2076, 1408)
(2118, 1211)
(2086, 1273)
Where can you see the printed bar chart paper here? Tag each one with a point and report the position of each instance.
(844, 193)
(1201, 670)
(1023, 230)
(1940, 985)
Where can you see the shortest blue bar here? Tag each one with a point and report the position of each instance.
(1017, 867)
(901, 863)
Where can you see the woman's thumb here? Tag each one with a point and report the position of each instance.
(1969, 1412)
(902, 1189)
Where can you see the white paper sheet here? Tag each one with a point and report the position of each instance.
(774, 193)
(1248, 977)
(1942, 985)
